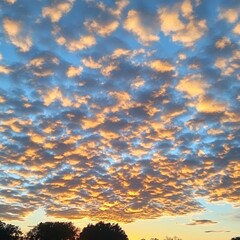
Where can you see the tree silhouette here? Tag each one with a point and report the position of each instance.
(53, 231)
(172, 238)
(9, 232)
(236, 238)
(103, 231)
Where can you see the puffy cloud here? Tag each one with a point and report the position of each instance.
(43, 66)
(14, 31)
(169, 21)
(209, 105)
(74, 45)
(10, 1)
(120, 5)
(186, 8)
(161, 66)
(230, 15)
(138, 82)
(133, 23)
(53, 95)
(193, 85)
(4, 69)
(192, 32)
(117, 11)
(103, 29)
(236, 29)
(222, 43)
(56, 12)
(182, 56)
(2, 99)
(90, 63)
(74, 71)
(107, 70)
(187, 33)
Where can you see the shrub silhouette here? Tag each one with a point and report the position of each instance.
(103, 231)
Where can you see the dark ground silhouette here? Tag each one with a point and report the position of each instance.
(67, 231)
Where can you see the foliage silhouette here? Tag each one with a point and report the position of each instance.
(9, 232)
(172, 238)
(236, 238)
(103, 231)
(53, 231)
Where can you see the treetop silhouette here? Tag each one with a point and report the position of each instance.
(53, 231)
(103, 230)
(9, 232)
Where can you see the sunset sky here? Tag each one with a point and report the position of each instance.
(123, 111)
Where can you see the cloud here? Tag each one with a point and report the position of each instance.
(102, 120)
(103, 29)
(53, 95)
(187, 9)
(133, 23)
(210, 105)
(216, 231)
(10, 1)
(4, 69)
(161, 66)
(74, 71)
(15, 32)
(56, 12)
(230, 15)
(107, 70)
(186, 33)
(201, 222)
(170, 21)
(73, 45)
(193, 85)
(117, 11)
(223, 42)
(236, 29)
(90, 63)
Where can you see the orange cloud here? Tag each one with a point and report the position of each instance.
(15, 32)
(56, 12)
(133, 24)
(161, 66)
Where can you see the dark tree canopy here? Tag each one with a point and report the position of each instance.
(53, 231)
(236, 238)
(103, 231)
(9, 232)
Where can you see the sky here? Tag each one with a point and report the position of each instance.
(122, 111)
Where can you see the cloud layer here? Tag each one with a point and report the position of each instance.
(118, 111)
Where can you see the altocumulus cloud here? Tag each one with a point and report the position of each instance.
(118, 111)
